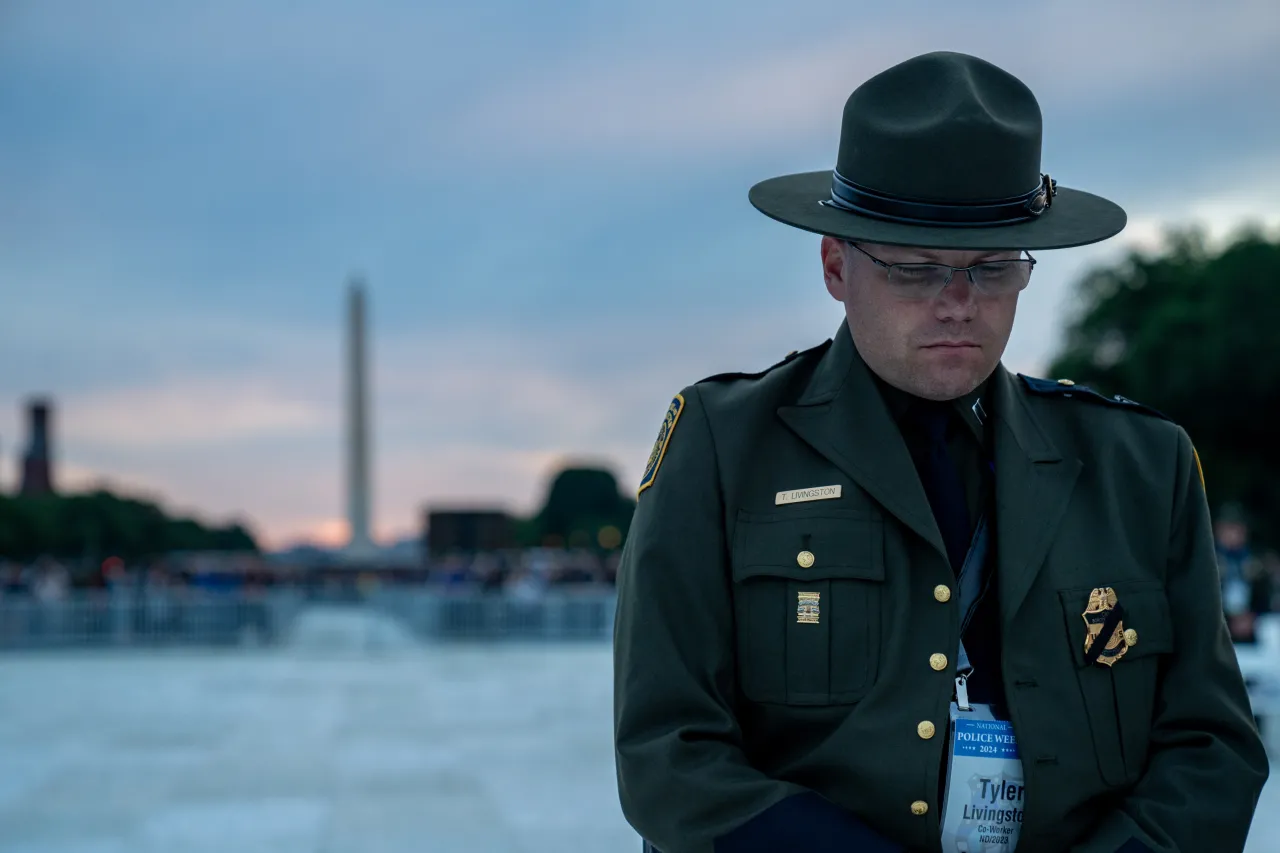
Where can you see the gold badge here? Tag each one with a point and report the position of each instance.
(660, 446)
(807, 607)
(1104, 614)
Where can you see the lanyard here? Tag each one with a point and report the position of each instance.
(972, 588)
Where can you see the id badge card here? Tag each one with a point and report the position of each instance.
(983, 803)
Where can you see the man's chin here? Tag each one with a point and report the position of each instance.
(947, 383)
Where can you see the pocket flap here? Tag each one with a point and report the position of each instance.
(1146, 612)
(842, 543)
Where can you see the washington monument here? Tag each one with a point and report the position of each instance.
(360, 545)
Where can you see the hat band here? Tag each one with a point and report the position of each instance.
(848, 196)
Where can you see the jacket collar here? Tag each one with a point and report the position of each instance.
(843, 416)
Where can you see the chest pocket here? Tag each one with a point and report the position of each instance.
(1120, 699)
(807, 589)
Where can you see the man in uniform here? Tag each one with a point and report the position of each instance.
(834, 560)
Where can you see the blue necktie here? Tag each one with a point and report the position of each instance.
(926, 435)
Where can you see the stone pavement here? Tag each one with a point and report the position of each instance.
(321, 748)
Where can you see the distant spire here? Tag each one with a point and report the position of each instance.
(37, 465)
(361, 544)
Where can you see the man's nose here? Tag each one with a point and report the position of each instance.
(957, 301)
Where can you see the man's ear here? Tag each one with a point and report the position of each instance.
(833, 267)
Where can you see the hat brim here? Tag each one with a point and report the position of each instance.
(1076, 218)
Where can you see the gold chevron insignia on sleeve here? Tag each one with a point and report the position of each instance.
(660, 446)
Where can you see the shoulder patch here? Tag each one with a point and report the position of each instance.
(660, 446)
(791, 356)
(1067, 388)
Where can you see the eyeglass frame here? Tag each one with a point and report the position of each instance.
(951, 270)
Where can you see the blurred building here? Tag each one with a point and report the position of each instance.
(37, 464)
(454, 530)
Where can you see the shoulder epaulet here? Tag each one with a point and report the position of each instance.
(790, 357)
(1067, 388)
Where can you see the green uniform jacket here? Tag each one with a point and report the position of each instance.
(726, 704)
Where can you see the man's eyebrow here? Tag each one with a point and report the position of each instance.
(932, 254)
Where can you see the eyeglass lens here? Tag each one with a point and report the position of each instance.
(993, 278)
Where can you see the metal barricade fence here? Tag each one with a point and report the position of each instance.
(92, 620)
(198, 618)
(582, 614)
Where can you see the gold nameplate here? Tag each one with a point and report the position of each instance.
(817, 493)
(1101, 602)
(807, 608)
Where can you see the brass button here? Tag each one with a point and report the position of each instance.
(942, 592)
(1065, 382)
(926, 730)
(805, 559)
(919, 807)
(938, 662)
(1130, 637)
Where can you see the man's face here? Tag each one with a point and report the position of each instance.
(939, 348)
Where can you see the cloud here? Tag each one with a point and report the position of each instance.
(193, 413)
(139, 482)
(483, 414)
(236, 40)
(1221, 215)
(467, 416)
(1220, 198)
(1225, 198)
(393, 92)
(188, 171)
(709, 102)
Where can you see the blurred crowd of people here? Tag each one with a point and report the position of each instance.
(48, 579)
(217, 598)
(1249, 576)
(524, 573)
(520, 573)
(1250, 579)
(45, 580)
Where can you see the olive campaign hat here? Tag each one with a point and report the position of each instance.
(941, 151)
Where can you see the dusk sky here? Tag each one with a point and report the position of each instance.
(549, 203)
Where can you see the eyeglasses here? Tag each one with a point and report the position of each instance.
(925, 281)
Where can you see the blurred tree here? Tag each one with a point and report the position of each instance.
(580, 503)
(1195, 333)
(98, 524)
(233, 538)
(526, 532)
